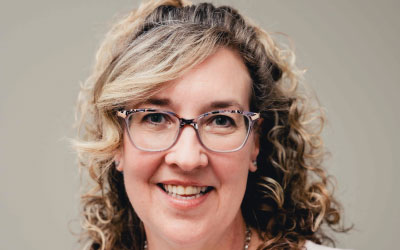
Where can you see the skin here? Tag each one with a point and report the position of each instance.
(220, 82)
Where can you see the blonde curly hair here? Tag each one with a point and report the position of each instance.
(287, 199)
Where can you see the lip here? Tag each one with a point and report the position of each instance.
(180, 204)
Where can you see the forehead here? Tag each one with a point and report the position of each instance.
(221, 78)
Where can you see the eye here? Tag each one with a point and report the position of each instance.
(155, 118)
(222, 121)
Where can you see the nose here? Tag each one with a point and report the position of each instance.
(187, 153)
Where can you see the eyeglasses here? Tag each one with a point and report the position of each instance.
(218, 131)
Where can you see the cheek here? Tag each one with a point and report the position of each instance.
(232, 173)
(138, 168)
(137, 162)
(232, 168)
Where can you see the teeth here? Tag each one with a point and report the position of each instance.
(181, 190)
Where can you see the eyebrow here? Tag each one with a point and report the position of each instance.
(158, 101)
(225, 104)
(164, 102)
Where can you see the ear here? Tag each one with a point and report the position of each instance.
(254, 153)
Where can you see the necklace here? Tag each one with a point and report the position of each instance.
(246, 240)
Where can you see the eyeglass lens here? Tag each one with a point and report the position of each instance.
(155, 131)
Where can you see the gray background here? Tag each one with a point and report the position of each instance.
(47, 48)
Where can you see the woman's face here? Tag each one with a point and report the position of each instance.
(220, 82)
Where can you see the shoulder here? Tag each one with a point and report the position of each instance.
(312, 246)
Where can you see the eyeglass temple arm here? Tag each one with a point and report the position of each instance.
(121, 113)
(255, 116)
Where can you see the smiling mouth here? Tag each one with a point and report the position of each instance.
(184, 192)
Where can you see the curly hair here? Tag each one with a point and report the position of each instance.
(287, 199)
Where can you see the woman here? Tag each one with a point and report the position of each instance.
(196, 136)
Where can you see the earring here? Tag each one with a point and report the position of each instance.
(116, 164)
(255, 163)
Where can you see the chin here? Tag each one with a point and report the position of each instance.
(185, 235)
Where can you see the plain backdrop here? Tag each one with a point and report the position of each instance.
(350, 49)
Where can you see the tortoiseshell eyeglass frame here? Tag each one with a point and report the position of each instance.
(251, 116)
